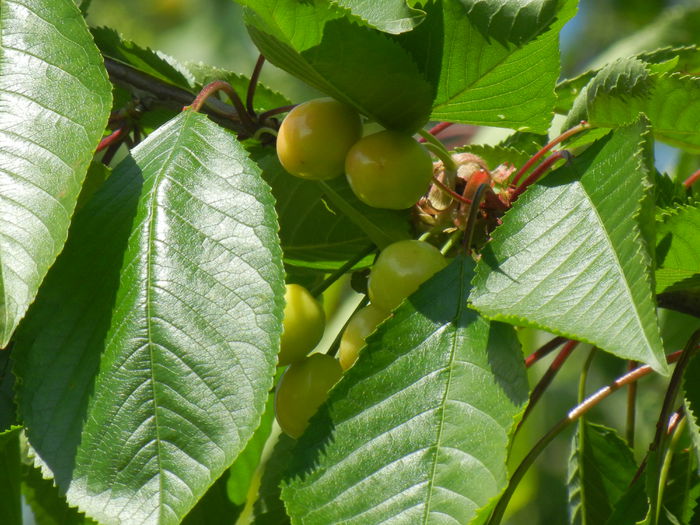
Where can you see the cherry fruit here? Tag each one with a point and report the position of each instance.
(315, 137)
(303, 324)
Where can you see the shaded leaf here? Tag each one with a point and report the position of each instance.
(418, 430)
(55, 102)
(354, 64)
(268, 508)
(146, 362)
(601, 467)
(10, 465)
(677, 253)
(8, 410)
(215, 507)
(390, 16)
(632, 507)
(682, 489)
(569, 257)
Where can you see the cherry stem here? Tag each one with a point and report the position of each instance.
(444, 187)
(548, 377)
(437, 148)
(219, 85)
(583, 125)
(435, 130)
(692, 179)
(316, 291)
(479, 195)
(539, 170)
(113, 138)
(250, 95)
(450, 242)
(276, 111)
(631, 407)
(544, 350)
(575, 413)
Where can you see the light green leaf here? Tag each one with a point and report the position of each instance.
(482, 81)
(146, 361)
(622, 90)
(402, 436)
(390, 16)
(354, 64)
(570, 257)
(601, 467)
(10, 468)
(55, 100)
(494, 156)
(678, 256)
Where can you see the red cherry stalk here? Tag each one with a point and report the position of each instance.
(692, 179)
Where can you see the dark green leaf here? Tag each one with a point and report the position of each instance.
(631, 507)
(390, 16)
(10, 467)
(569, 257)
(682, 489)
(418, 430)
(49, 506)
(146, 362)
(677, 253)
(147, 60)
(324, 225)
(601, 467)
(268, 508)
(354, 64)
(481, 81)
(55, 103)
(215, 507)
(8, 410)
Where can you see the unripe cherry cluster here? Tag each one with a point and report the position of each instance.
(322, 139)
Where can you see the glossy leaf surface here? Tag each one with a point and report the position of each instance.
(55, 99)
(402, 437)
(570, 258)
(163, 339)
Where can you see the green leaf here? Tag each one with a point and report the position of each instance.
(678, 257)
(570, 259)
(215, 507)
(481, 81)
(324, 225)
(55, 100)
(383, 227)
(682, 489)
(506, 21)
(632, 507)
(268, 508)
(402, 436)
(265, 98)
(601, 467)
(155, 63)
(48, 506)
(10, 465)
(390, 16)
(622, 90)
(8, 410)
(146, 361)
(691, 393)
(497, 155)
(354, 64)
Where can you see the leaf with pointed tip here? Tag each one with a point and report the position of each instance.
(570, 258)
(623, 89)
(482, 81)
(390, 16)
(678, 238)
(55, 101)
(418, 430)
(315, 42)
(601, 467)
(146, 361)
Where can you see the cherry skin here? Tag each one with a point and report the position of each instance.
(388, 170)
(302, 389)
(315, 137)
(400, 269)
(303, 324)
(360, 325)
